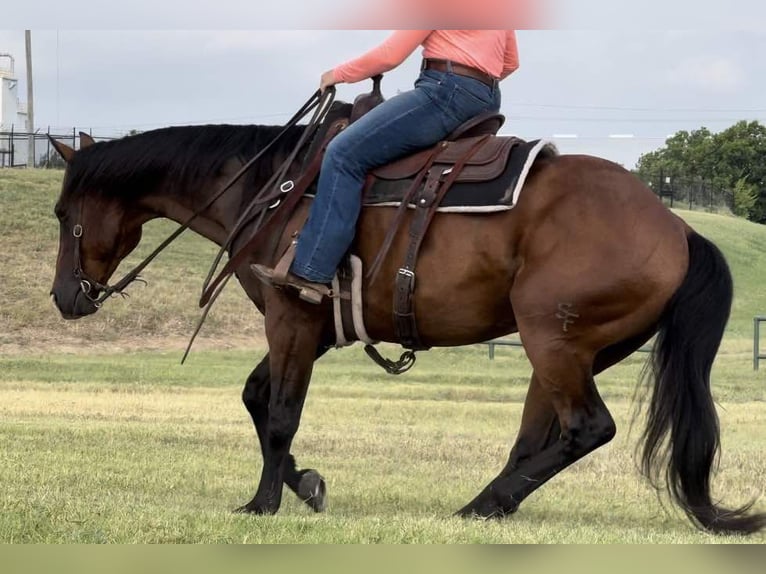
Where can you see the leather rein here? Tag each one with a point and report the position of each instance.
(97, 292)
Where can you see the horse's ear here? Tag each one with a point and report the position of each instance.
(86, 140)
(66, 152)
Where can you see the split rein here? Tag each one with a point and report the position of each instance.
(264, 200)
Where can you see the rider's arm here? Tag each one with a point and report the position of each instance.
(511, 58)
(382, 59)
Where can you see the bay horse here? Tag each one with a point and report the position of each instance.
(586, 268)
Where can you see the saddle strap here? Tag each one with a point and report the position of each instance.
(425, 208)
(401, 211)
(283, 267)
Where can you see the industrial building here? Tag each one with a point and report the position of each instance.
(13, 116)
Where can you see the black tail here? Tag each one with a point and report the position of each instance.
(690, 332)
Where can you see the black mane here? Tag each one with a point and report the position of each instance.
(134, 164)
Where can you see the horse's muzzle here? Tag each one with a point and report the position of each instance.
(72, 302)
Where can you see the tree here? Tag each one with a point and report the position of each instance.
(733, 160)
(745, 198)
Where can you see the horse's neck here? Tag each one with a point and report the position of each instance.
(215, 222)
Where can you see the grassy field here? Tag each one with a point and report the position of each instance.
(134, 448)
(104, 437)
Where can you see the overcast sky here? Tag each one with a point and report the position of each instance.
(594, 84)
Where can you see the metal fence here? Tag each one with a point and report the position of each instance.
(757, 354)
(501, 343)
(14, 145)
(691, 193)
(513, 343)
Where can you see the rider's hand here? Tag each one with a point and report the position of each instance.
(328, 79)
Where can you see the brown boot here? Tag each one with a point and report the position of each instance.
(280, 276)
(307, 291)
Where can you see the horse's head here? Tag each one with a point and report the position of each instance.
(97, 231)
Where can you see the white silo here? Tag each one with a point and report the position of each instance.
(13, 115)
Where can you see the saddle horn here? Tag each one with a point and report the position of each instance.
(376, 81)
(365, 102)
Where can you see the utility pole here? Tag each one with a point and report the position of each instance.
(30, 102)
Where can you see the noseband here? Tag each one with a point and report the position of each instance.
(88, 285)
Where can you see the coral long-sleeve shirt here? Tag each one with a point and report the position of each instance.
(492, 51)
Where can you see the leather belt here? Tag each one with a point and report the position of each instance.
(460, 70)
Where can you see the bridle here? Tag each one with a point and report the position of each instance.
(88, 284)
(266, 199)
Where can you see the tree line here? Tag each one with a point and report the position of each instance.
(733, 161)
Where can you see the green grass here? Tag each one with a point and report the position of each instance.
(106, 438)
(132, 447)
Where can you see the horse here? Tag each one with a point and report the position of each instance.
(587, 268)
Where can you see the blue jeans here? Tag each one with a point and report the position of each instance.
(406, 123)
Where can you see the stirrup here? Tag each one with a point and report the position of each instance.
(282, 268)
(280, 276)
(307, 291)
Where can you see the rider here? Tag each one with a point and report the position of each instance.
(459, 80)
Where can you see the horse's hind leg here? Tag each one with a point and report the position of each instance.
(307, 484)
(539, 427)
(585, 424)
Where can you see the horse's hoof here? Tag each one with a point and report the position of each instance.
(312, 490)
(252, 508)
(470, 512)
(483, 509)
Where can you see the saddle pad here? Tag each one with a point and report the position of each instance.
(499, 194)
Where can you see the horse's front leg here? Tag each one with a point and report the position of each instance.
(307, 484)
(293, 331)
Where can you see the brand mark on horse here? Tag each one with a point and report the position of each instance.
(567, 315)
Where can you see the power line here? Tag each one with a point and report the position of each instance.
(644, 109)
(624, 120)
